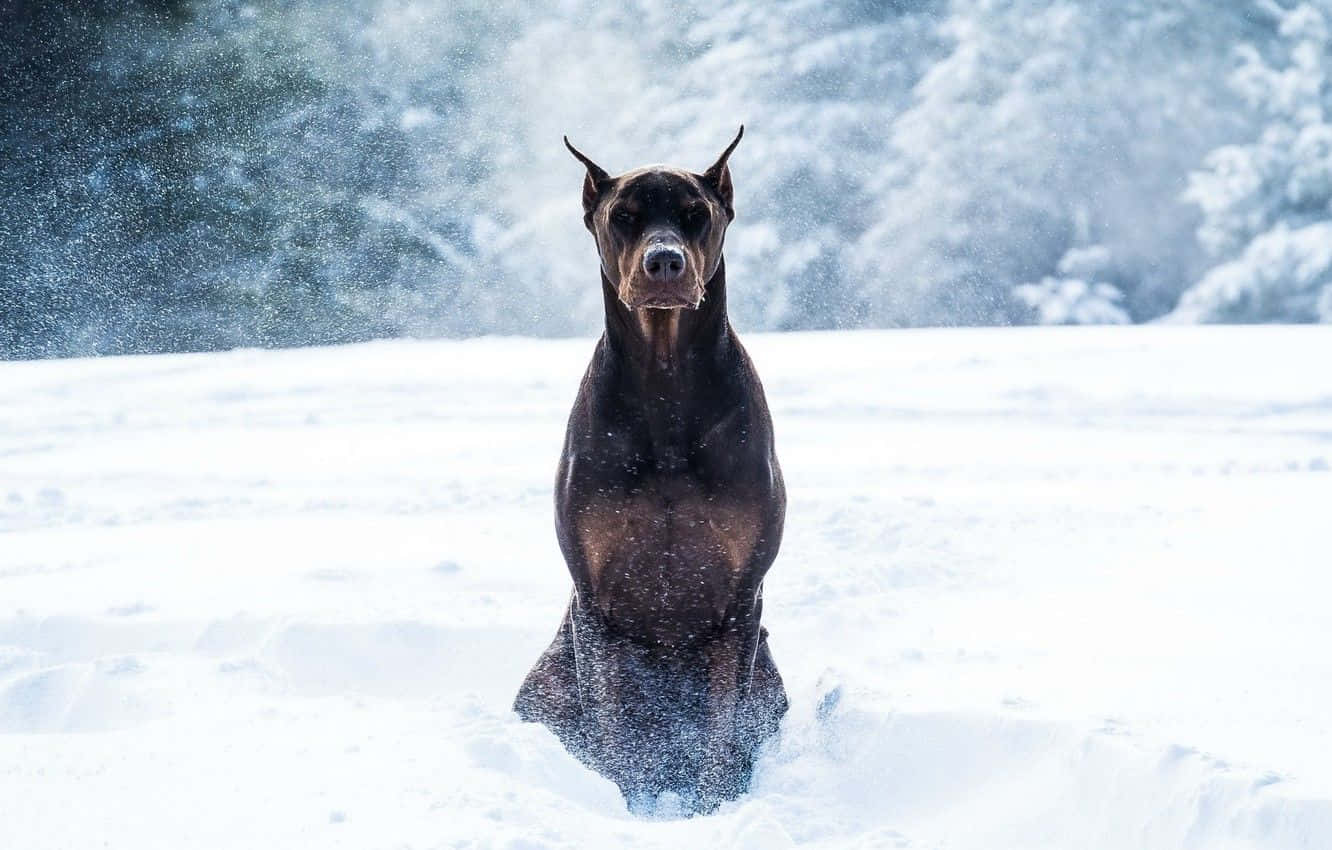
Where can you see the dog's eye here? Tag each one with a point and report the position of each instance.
(623, 217)
(695, 218)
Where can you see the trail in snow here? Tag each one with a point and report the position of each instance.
(1039, 588)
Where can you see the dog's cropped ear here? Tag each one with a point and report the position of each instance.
(593, 185)
(718, 175)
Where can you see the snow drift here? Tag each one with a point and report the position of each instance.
(1040, 589)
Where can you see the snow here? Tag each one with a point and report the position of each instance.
(1283, 272)
(1265, 204)
(1073, 301)
(1041, 588)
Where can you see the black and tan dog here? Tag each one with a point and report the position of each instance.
(669, 507)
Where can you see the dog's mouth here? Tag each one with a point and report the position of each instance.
(671, 299)
(665, 302)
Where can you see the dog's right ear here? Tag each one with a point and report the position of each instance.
(593, 185)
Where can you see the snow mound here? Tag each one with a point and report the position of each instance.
(1040, 588)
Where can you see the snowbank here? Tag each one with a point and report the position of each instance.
(1061, 588)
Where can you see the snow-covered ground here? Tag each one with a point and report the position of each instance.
(1040, 589)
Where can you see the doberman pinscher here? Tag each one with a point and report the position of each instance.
(669, 507)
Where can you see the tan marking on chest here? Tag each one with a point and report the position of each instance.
(656, 559)
(601, 529)
(736, 529)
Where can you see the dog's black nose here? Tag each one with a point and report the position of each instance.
(663, 263)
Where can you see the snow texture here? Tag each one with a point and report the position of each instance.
(1047, 588)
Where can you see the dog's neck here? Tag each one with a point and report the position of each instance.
(666, 344)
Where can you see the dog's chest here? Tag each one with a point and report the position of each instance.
(665, 561)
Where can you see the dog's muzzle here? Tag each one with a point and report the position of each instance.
(665, 280)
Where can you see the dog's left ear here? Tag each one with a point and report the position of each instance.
(718, 176)
(593, 185)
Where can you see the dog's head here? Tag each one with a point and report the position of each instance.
(659, 231)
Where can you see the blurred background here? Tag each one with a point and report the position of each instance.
(212, 174)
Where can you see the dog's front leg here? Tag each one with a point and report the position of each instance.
(727, 762)
(549, 694)
(612, 745)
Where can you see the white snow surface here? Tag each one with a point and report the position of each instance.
(1053, 588)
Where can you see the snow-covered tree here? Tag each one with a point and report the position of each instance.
(207, 173)
(1078, 295)
(1049, 125)
(1267, 205)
